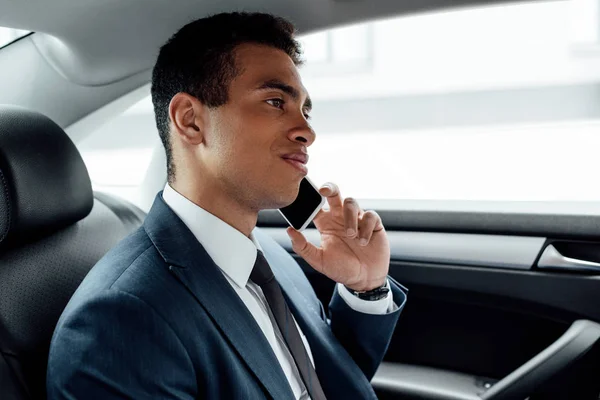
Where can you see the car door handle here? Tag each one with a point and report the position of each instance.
(552, 259)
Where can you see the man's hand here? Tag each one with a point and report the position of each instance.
(354, 251)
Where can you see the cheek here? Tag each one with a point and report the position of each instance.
(247, 141)
(254, 145)
(242, 156)
(252, 156)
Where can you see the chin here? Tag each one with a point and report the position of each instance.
(282, 197)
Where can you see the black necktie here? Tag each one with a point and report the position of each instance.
(263, 277)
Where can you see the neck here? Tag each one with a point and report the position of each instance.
(216, 201)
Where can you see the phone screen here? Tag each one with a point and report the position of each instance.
(305, 207)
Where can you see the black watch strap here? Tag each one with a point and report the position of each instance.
(371, 295)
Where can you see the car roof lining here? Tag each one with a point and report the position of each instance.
(90, 43)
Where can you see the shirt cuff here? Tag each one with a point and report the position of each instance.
(375, 307)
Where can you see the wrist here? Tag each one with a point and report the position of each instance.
(375, 294)
(367, 286)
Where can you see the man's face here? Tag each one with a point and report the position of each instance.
(261, 128)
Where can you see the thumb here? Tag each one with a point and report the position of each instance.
(308, 251)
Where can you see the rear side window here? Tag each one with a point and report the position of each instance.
(117, 154)
(9, 35)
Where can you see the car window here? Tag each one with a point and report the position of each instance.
(9, 35)
(495, 103)
(491, 103)
(117, 154)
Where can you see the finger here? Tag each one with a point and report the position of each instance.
(334, 198)
(366, 226)
(321, 214)
(351, 211)
(308, 251)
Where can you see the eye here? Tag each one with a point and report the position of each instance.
(278, 103)
(306, 115)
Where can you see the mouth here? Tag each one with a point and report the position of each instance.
(298, 161)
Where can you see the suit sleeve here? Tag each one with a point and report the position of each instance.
(115, 346)
(365, 337)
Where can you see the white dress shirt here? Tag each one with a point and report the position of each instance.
(218, 239)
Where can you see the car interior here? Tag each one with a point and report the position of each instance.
(504, 303)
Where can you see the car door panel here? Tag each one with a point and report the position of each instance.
(479, 306)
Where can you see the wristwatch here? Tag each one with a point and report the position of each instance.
(371, 295)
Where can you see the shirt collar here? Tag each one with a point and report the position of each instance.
(232, 251)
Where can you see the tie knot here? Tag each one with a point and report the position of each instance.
(261, 272)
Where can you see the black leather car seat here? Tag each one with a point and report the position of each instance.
(52, 232)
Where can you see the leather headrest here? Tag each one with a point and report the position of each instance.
(44, 184)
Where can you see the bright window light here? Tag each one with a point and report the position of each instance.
(8, 35)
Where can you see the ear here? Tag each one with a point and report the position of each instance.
(188, 117)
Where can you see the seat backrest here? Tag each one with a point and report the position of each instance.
(53, 230)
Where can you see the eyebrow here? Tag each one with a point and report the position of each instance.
(284, 87)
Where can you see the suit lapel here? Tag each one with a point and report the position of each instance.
(338, 373)
(194, 268)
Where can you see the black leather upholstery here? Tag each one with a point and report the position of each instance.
(44, 183)
(53, 245)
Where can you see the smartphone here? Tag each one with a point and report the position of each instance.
(305, 207)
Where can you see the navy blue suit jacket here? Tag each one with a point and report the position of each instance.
(156, 318)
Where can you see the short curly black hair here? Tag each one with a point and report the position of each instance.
(199, 60)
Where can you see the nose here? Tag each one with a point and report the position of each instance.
(302, 133)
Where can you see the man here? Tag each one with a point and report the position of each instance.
(198, 303)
